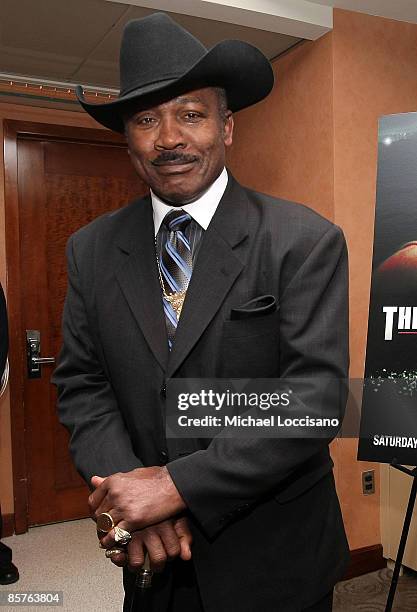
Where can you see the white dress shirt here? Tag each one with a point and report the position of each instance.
(202, 210)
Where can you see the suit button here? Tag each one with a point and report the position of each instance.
(163, 391)
(164, 457)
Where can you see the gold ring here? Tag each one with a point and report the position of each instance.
(105, 522)
(113, 551)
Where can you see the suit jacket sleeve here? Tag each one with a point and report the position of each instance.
(231, 475)
(99, 443)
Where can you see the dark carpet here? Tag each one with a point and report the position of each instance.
(369, 593)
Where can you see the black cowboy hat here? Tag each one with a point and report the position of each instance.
(159, 60)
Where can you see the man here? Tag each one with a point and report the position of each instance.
(8, 571)
(203, 278)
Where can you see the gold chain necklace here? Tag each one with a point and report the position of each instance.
(177, 298)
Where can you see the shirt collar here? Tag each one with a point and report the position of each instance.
(202, 210)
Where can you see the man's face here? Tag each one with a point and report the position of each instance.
(178, 147)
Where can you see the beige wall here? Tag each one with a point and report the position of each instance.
(284, 145)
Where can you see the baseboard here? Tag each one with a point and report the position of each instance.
(8, 525)
(365, 560)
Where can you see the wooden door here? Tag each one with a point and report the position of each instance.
(65, 178)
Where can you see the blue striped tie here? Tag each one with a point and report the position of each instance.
(175, 256)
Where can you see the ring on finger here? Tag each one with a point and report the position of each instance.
(113, 551)
(105, 522)
(121, 536)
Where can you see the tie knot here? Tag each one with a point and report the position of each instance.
(176, 220)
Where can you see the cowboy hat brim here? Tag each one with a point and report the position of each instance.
(240, 68)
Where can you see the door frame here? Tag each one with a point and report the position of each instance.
(13, 131)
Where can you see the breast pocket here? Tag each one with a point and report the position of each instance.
(250, 346)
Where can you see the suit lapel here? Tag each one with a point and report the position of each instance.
(138, 279)
(219, 262)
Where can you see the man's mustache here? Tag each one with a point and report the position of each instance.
(173, 157)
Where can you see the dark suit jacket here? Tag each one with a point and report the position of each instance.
(266, 521)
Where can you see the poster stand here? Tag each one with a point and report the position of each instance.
(404, 533)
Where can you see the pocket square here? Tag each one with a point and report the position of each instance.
(256, 307)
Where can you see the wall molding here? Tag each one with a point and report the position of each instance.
(365, 560)
(57, 91)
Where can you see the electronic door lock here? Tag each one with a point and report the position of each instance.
(33, 351)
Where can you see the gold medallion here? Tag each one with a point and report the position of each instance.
(176, 300)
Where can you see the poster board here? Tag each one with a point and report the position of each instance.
(388, 429)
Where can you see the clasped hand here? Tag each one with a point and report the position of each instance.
(142, 502)
(162, 542)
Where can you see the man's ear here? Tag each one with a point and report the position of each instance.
(228, 129)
